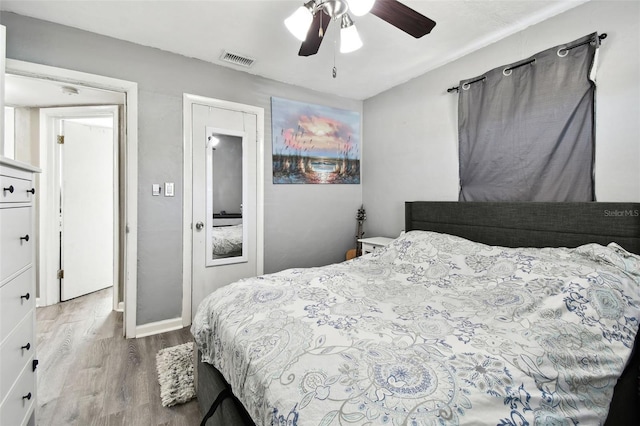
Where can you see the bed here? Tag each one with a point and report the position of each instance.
(444, 326)
(227, 241)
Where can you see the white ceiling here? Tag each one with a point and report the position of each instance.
(203, 29)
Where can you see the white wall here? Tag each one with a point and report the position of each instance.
(26, 134)
(9, 132)
(411, 130)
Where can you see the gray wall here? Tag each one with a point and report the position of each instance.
(305, 225)
(227, 175)
(411, 130)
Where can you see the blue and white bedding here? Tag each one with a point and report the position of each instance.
(432, 330)
(227, 240)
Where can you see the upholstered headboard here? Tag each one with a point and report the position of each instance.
(530, 224)
(535, 224)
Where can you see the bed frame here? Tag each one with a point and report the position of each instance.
(510, 224)
(210, 385)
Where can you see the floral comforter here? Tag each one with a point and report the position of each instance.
(227, 240)
(431, 330)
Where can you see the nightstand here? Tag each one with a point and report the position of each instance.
(372, 244)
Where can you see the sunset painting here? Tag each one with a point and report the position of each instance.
(314, 143)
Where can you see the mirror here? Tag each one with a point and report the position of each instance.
(225, 171)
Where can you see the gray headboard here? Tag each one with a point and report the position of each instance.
(530, 224)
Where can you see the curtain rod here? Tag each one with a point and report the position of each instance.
(508, 70)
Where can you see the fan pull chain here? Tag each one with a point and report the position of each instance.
(334, 72)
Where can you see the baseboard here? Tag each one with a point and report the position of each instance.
(158, 327)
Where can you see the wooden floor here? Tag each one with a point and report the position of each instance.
(90, 375)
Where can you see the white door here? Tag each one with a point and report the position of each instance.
(87, 160)
(214, 216)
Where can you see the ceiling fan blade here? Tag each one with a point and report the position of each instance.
(403, 17)
(312, 43)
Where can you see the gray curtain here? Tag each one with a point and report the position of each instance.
(527, 134)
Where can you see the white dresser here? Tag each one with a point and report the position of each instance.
(17, 293)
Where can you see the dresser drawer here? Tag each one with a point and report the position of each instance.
(19, 403)
(16, 351)
(16, 240)
(14, 190)
(14, 302)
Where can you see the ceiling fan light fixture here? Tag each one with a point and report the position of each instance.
(360, 7)
(334, 8)
(300, 21)
(349, 38)
(310, 27)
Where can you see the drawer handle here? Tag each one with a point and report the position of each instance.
(32, 191)
(26, 296)
(26, 238)
(27, 346)
(10, 189)
(27, 396)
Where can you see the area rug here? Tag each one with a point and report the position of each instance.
(175, 374)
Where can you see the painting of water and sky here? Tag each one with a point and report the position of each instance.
(314, 143)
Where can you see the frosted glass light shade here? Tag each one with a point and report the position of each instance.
(213, 141)
(349, 39)
(299, 22)
(360, 7)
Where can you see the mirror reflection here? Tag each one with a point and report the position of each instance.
(225, 172)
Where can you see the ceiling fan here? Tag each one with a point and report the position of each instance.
(310, 21)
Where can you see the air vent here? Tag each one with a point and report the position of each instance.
(237, 59)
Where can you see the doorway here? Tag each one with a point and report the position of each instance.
(47, 215)
(223, 196)
(86, 141)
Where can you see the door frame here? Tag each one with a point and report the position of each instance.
(3, 54)
(128, 159)
(187, 207)
(50, 119)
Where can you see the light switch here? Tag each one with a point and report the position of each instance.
(168, 189)
(155, 189)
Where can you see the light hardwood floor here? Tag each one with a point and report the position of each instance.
(90, 375)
